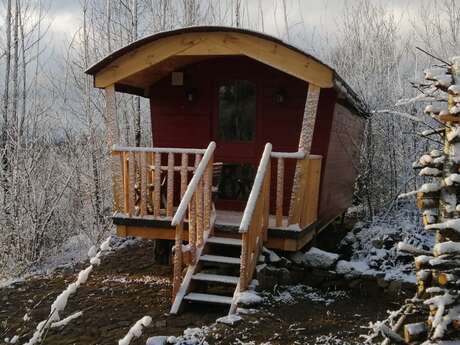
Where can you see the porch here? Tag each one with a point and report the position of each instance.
(149, 191)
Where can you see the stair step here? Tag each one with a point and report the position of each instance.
(208, 298)
(224, 240)
(217, 278)
(220, 259)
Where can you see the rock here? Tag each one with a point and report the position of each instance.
(351, 268)
(297, 257)
(230, 320)
(270, 276)
(249, 297)
(318, 258)
(157, 340)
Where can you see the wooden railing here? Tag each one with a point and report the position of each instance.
(256, 215)
(196, 199)
(304, 207)
(254, 223)
(145, 186)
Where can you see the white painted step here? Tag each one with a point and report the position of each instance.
(220, 259)
(208, 298)
(224, 240)
(216, 278)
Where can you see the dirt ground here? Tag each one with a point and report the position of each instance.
(127, 286)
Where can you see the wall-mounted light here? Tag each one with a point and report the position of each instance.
(280, 96)
(190, 95)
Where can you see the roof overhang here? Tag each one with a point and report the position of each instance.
(135, 67)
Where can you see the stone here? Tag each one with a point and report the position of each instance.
(318, 258)
(382, 282)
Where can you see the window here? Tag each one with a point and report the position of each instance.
(237, 108)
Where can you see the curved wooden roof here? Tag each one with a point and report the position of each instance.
(138, 65)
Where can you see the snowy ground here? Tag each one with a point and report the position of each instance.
(372, 246)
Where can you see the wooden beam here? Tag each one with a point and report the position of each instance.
(306, 136)
(110, 121)
(268, 52)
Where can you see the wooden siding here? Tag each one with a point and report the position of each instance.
(341, 164)
(177, 122)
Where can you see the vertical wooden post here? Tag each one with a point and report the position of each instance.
(110, 121)
(177, 275)
(183, 174)
(244, 261)
(143, 181)
(170, 186)
(306, 136)
(207, 196)
(279, 192)
(192, 228)
(132, 183)
(126, 180)
(157, 186)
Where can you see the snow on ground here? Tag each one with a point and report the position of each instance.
(74, 251)
(374, 244)
(293, 293)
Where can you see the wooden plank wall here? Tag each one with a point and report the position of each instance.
(341, 164)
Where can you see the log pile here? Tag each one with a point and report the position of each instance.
(437, 271)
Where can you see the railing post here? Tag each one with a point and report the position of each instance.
(126, 180)
(183, 174)
(244, 261)
(192, 228)
(207, 196)
(170, 186)
(177, 275)
(157, 185)
(279, 192)
(143, 181)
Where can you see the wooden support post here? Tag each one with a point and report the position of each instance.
(244, 261)
(170, 186)
(279, 192)
(132, 183)
(143, 181)
(306, 136)
(183, 174)
(126, 180)
(110, 121)
(177, 275)
(207, 196)
(192, 228)
(157, 186)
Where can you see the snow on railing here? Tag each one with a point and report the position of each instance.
(255, 220)
(60, 302)
(196, 199)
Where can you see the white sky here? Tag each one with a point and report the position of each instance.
(317, 16)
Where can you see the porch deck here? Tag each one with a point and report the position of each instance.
(226, 224)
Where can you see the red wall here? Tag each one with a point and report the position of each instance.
(179, 123)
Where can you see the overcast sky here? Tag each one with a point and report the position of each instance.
(316, 17)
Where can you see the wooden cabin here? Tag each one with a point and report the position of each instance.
(255, 143)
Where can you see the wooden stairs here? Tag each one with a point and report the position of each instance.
(214, 279)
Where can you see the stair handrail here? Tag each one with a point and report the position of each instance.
(196, 199)
(254, 223)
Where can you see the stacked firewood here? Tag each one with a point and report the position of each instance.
(438, 272)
